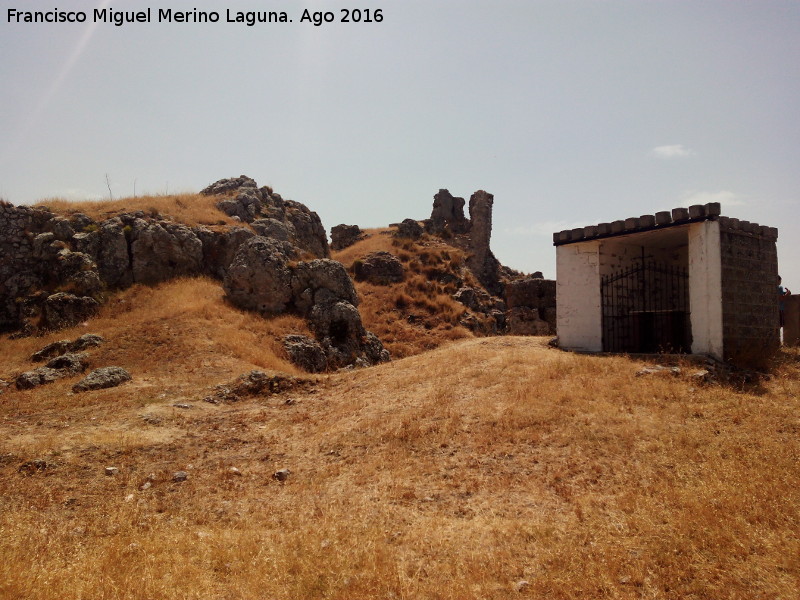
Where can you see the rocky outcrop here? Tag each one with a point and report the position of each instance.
(55, 271)
(343, 236)
(63, 310)
(409, 229)
(263, 277)
(250, 204)
(224, 186)
(161, 251)
(219, 248)
(57, 368)
(380, 268)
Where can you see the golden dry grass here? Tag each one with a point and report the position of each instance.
(457, 473)
(419, 313)
(190, 209)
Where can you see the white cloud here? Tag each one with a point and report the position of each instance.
(674, 151)
(724, 197)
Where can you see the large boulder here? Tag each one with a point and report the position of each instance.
(259, 277)
(343, 236)
(104, 377)
(381, 268)
(65, 310)
(410, 229)
(321, 281)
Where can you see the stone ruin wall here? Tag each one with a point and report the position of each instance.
(749, 299)
(17, 263)
(529, 302)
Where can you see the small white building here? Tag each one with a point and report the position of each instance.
(687, 280)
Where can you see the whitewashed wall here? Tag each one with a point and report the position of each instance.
(579, 320)
(705, 288)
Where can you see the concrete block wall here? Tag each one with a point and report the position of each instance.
(791, 329)
(749, 260)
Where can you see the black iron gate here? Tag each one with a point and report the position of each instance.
(646, 309)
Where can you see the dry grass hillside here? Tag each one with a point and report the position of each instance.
(419, 313)
(487, 468)
(470, 468)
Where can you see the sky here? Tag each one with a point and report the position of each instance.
(570, 112)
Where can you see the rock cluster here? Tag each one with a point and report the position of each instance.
(482, 303)
(264, 277)
(66, 360)
(271, 215)
(54, 271)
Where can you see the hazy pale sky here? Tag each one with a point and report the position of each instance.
(569, 112)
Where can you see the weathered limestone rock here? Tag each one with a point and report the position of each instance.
(71, 363)
(113, 256)
(161, 251)
(321, 281)
(381, 268)
(306, 353)
(219, 248)
(104, 377)
(57, 368)
(309, 232)
(409, 228)
(259, 277)
(87, 340)
(40, 376)
(246, 206)
(478, 300)
(344, 236)
(223, 186)
(274, 229)
(65, 310)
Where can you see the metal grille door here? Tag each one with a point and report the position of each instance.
(646, 309)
